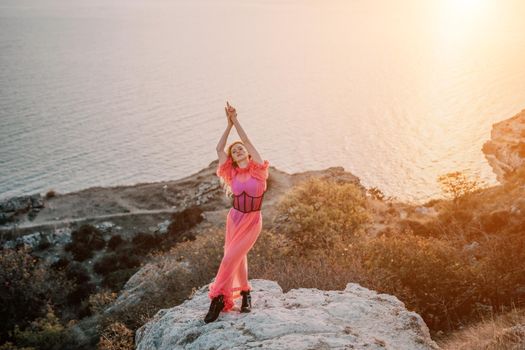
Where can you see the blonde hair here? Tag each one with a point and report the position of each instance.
(227, 188)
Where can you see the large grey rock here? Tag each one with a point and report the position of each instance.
(356, 318)
(505, 151)
(60, 236)
(148, 280)
(135, 288)
(31, 240)
(15, 204)
(22, 203)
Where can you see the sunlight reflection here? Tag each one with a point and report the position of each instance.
(463, 18)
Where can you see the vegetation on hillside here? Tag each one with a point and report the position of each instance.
(459, 269)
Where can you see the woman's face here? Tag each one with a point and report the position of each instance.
(239, 152)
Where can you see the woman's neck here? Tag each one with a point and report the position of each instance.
(244, 162)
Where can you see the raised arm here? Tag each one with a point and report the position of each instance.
(244, 137)
(222, 142)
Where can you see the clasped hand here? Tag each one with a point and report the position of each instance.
(231, 113)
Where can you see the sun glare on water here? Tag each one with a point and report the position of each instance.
(466, 11)
(460, 21)
(466, 5)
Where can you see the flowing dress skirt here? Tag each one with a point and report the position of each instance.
(242, 231)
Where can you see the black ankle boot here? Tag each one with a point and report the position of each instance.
(216, 306)
(246, 301)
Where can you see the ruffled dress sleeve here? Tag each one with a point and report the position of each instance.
(258, 170)
(225, 171)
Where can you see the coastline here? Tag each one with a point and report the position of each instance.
(140, 206)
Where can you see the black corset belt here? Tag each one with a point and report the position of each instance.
(245, 203)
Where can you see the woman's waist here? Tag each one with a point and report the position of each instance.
(253, 212)
(245, 202)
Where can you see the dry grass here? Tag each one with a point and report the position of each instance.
(99, 301)
(429, 270)
(499, 332)
(276, 258)
(116, 337)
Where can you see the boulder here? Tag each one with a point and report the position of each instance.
(22, 203)
(303, 318)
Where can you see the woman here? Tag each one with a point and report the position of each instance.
(243, 171)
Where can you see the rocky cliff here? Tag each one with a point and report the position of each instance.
(505, 151)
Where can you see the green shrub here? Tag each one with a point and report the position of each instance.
(89, 236)
(316, 211)
(183, 221)
(79, 275)
(80, 251)
(84, 241)
(61, 263)
(43, 244)
(116, 261)
(428, 274)
(501, 271)
(145, 242)
(46, 333)
(10, 346)
(27, 285)
(115, 242)
(77, 272)
(116, 280)
(80, 293)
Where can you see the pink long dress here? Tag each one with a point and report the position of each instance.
(242, 230)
